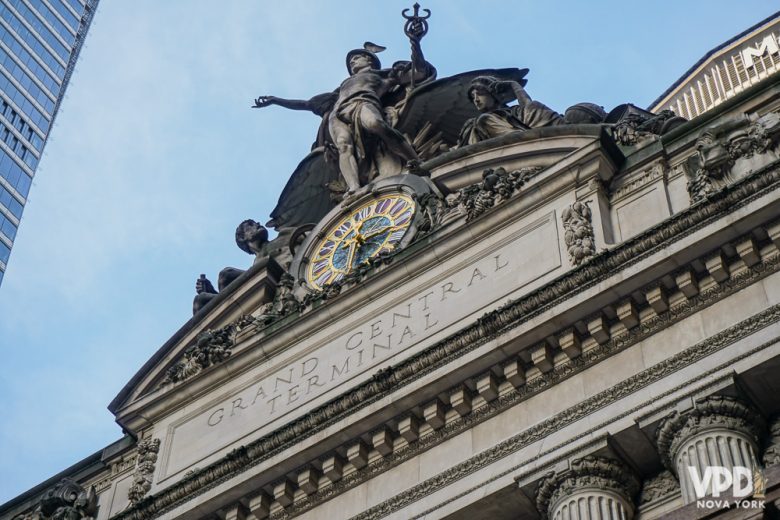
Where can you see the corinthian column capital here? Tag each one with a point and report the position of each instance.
(596, 487)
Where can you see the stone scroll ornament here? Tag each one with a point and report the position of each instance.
(578, 232)
(144, 469)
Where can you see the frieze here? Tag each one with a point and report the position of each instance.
(538, 385)
(221, 472)
(631, 251)
(633, 182)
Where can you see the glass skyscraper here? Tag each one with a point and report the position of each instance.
(40, 42)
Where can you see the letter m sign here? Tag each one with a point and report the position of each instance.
(768, 44)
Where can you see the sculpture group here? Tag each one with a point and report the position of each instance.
(380, 122)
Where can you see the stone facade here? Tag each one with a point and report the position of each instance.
(580, 320)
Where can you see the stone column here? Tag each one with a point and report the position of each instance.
(593, 488)
(718, 431)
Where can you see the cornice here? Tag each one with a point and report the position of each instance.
(487, 327)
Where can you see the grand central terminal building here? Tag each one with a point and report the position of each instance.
(475, 307)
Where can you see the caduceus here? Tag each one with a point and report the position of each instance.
(415, 28)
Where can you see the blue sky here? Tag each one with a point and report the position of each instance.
(156, 157)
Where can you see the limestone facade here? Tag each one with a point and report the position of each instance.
(561, 342)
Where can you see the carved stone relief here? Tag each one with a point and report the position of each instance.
(578, 236)
(211, 347)
(67, 500)
(497, 187)
(660, 486)
(144, 469)
(772, 452)
(719, 149)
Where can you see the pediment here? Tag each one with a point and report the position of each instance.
(243, 296)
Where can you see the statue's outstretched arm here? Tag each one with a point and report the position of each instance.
(292, 104)
(319, 104)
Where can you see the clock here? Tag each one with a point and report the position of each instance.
(369, 229)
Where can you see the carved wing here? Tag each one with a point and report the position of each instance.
(306, 198)
(444, 104)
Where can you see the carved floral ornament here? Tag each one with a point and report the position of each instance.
(144, 469)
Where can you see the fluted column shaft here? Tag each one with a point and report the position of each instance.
(592, 504)
(593, 488)
(718, 431)
(717, 447)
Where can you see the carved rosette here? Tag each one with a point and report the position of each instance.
(718, 431)
(772, 452)
(594, 488)
(578, 232)
(144, 469)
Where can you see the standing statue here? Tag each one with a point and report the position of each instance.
(490, 96)
(354, 114)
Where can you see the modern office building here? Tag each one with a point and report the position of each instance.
(40, 42)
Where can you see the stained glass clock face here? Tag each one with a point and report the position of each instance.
(373, 228)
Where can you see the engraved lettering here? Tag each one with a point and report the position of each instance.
(260, 393)
(273, 402)
(376, 329)
(292, 394)
(313, 362)
(313, 381)
(385, 347)
(399, 315)
(448, 287)
(407, 332)
(424, 299)
(499, 265)
(336, 372)
(219, 413)
(428, 323)
(476, 273)
(237, 404)
(351, 346)
(283, 380)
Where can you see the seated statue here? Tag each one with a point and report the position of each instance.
(252, 238)
(490, 96)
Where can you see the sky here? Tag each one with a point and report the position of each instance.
(156, 156)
